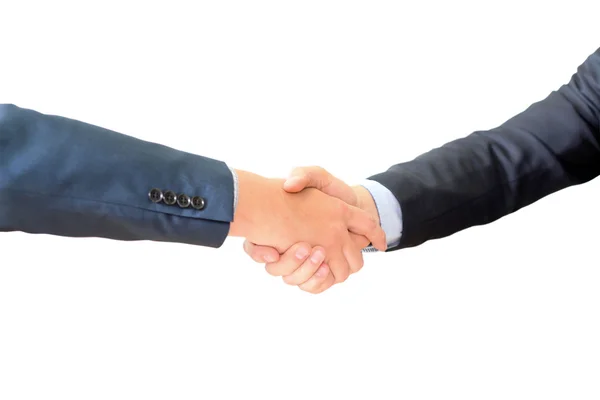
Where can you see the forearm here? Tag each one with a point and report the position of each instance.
(64, 177)
(478, 179)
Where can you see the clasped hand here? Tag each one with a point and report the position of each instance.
(322, 225)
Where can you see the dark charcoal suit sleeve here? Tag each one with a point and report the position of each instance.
(477, 179)
(64, 177)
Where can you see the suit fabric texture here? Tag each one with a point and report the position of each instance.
(551, 145)
(64, 177)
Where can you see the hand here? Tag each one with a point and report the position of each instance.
(295, 265)
(270, 216)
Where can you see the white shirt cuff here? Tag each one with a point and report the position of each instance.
(235, 189)
(390, 213)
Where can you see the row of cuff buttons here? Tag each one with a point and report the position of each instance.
(170, 198)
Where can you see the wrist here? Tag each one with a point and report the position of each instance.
(257, 195)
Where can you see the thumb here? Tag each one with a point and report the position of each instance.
(303, 177)
(295, 184)
(318, 178)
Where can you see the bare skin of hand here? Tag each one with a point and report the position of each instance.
(270, 216)
(302, 264)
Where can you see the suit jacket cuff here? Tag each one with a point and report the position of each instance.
(64, 177)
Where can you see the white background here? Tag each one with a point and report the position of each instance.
(509, 310)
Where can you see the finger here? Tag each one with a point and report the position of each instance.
(261, 254)
(289, 261)
(328, 282)
(319, 178)
(361, 223)
(307, 269)
(359, 240)
(353, 255)
(322, 279)
(339, 266)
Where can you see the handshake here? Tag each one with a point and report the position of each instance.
(309, 229)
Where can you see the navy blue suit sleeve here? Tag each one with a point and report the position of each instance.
(64, 177)
(475, 180)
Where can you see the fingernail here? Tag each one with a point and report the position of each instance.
(301, 253)
(321, 271)
(317, 257)
(269, 259)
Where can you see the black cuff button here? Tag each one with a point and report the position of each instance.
(170, 197)
(183, 200)
(198, 202)
(155, 195)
